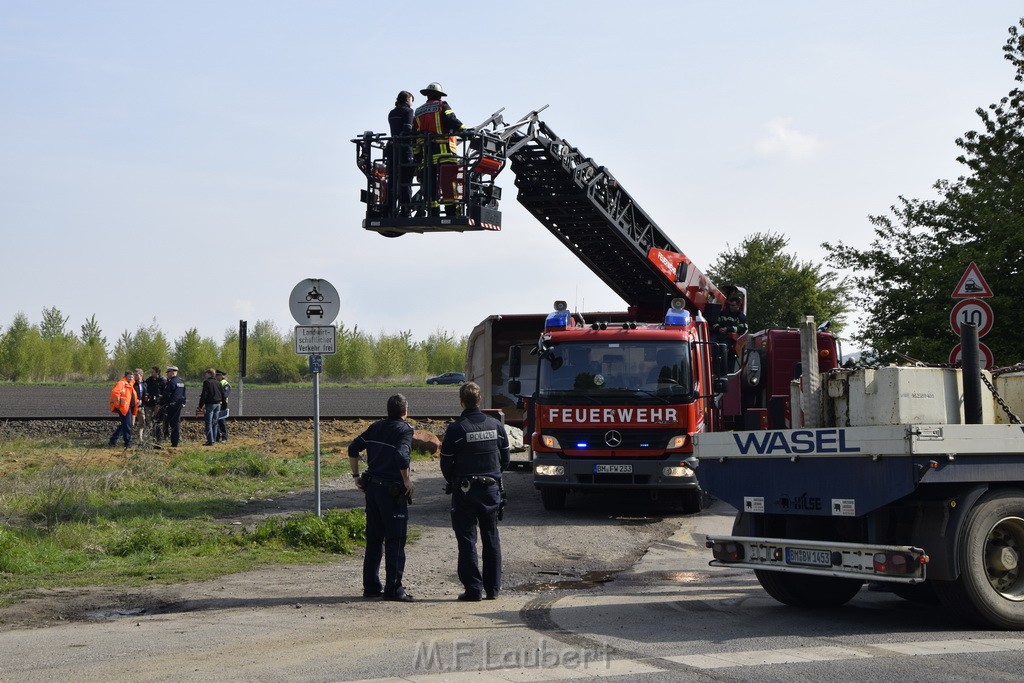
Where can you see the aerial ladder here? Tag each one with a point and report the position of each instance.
(580, 202)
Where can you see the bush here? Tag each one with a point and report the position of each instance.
(336, 532)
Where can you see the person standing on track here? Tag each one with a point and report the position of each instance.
(124, 404)
(173, 401)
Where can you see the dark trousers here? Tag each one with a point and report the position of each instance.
(477, 508)
(124, 429)
(173, 422)
(387, 522)
(401, 169)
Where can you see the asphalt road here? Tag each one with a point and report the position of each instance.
(21, 401)
(583, 601)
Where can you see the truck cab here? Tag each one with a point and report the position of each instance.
(615, 406)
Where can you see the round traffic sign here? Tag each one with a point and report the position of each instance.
(972, 311)
(987, 359)
(314, 302)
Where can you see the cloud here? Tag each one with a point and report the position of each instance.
(783, 140)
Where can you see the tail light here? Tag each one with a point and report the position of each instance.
(726, 551)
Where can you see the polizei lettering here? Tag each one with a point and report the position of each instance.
(624, 415)
(794, 443)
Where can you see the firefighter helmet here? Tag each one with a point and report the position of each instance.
(434, 87)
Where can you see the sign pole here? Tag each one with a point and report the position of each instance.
(315, 365)
(314, 305)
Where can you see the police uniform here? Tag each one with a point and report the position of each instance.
(474, 453)
(388, 445)
(173, 400)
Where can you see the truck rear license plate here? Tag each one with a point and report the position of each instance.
(814, 558)
(613, 469)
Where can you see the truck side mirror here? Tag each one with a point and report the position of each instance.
(515, 366)
(682, 271)
(515, 361)
(719, 368)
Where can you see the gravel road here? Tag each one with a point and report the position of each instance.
(22, 401)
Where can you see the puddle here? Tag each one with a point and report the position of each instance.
(111, 614)
(588, 580)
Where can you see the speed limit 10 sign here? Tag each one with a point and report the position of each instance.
(972, 311)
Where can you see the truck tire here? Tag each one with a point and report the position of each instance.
(692, 501)
(805, 590)
(553, 499)
(990, 588)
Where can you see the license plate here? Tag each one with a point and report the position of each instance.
(814, 558)
(613, 469)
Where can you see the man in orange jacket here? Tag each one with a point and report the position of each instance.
(124, 404)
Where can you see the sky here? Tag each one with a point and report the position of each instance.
(188, 163)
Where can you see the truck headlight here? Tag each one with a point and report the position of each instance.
(549, 470)
(682, 471)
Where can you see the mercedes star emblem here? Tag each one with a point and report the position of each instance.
(613, 438)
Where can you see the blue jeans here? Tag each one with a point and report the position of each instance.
(124, 429)
(212, 413)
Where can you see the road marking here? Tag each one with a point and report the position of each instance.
(717, 660)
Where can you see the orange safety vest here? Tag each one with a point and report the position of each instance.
(122, 398)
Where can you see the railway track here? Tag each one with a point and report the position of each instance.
(25, 402)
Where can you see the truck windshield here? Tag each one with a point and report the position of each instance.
(591, 371)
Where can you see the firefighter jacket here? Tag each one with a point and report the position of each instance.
(122, 398)
(475, 444)
(729, 322)
(436, 117)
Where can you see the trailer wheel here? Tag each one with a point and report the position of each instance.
(990, 588)
(804, 590)
(553, 499)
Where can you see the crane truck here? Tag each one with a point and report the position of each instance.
(906, 477)
(607, 401)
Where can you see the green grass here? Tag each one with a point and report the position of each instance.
(66, 520)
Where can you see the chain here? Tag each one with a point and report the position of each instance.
(999, 399)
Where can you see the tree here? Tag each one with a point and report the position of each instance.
(905, 278)
(19, 346)
(781, 290)
(91, 354)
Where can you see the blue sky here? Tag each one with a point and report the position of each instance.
(190, 162)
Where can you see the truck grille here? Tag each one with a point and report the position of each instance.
(632, 439)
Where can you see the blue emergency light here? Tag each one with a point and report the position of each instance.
(559, 318)
(680, 318)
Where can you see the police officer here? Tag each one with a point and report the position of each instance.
(151, 403)
(474, 453)
(173, 400)
(388, 445)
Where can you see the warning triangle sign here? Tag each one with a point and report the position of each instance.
(972, 285)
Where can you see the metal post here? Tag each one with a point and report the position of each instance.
(970, 370)
(315, 364)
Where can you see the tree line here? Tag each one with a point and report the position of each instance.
(49, 352)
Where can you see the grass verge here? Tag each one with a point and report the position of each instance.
(70, 518)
